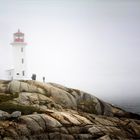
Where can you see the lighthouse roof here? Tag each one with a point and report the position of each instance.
(19, 33)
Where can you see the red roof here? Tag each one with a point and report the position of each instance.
(19, 33)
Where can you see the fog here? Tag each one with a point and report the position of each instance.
(86, 44)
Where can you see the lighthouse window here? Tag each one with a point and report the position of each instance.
(23, 73)
(17, 73)
(22, 60)
(21, 49)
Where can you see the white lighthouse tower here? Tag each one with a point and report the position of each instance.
(19, 53)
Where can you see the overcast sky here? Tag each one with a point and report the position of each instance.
(92, 45)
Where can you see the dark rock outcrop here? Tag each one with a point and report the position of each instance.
(31, 110)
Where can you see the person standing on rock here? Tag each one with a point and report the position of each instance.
(33, 77)
(44, 79)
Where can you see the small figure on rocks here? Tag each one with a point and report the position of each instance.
(44, 79)
(33, 77)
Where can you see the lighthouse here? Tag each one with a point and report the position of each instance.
(19, 71)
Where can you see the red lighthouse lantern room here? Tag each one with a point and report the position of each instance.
(18, 37)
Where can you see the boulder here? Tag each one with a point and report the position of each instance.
(16, 114)
(106, 137)
(4, 115)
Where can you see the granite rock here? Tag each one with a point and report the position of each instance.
(51, 111)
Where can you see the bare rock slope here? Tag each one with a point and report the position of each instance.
(31, 110)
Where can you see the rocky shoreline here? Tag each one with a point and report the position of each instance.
(31, 110)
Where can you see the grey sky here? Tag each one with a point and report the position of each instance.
(92, 45)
